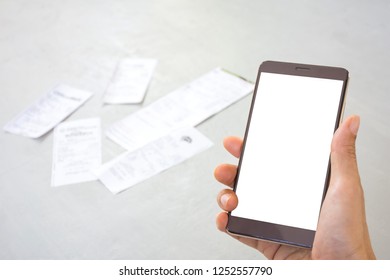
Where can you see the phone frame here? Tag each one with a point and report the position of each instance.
(274, 232)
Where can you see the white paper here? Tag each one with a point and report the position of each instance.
(47, 112)
(76, 151)
(130, 81)
(187, 106)
(134, 167)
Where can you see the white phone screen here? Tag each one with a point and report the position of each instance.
(284, 165)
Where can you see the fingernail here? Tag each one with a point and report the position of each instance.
(224, 199)
(354, 125)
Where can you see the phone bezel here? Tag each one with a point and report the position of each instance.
(274, 232)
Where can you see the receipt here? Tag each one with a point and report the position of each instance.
(76, 151)
(130, 81)
(186, 106)
(134, 167)
(47, 112)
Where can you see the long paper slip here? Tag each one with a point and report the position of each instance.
(130, 81)
(47, 112)
(187, 106)
(77, 150)
(134, 167)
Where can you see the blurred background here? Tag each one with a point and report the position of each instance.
(171, 216)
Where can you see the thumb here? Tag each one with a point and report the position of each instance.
(343, 152)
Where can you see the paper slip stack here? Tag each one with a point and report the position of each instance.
(156, 137)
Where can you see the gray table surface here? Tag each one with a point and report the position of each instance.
(171, 216)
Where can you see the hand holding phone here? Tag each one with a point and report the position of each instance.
(337, 208)
(283, 171)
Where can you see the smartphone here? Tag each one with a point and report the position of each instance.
(284, 169)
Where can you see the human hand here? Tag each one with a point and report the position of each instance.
(342, 231)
